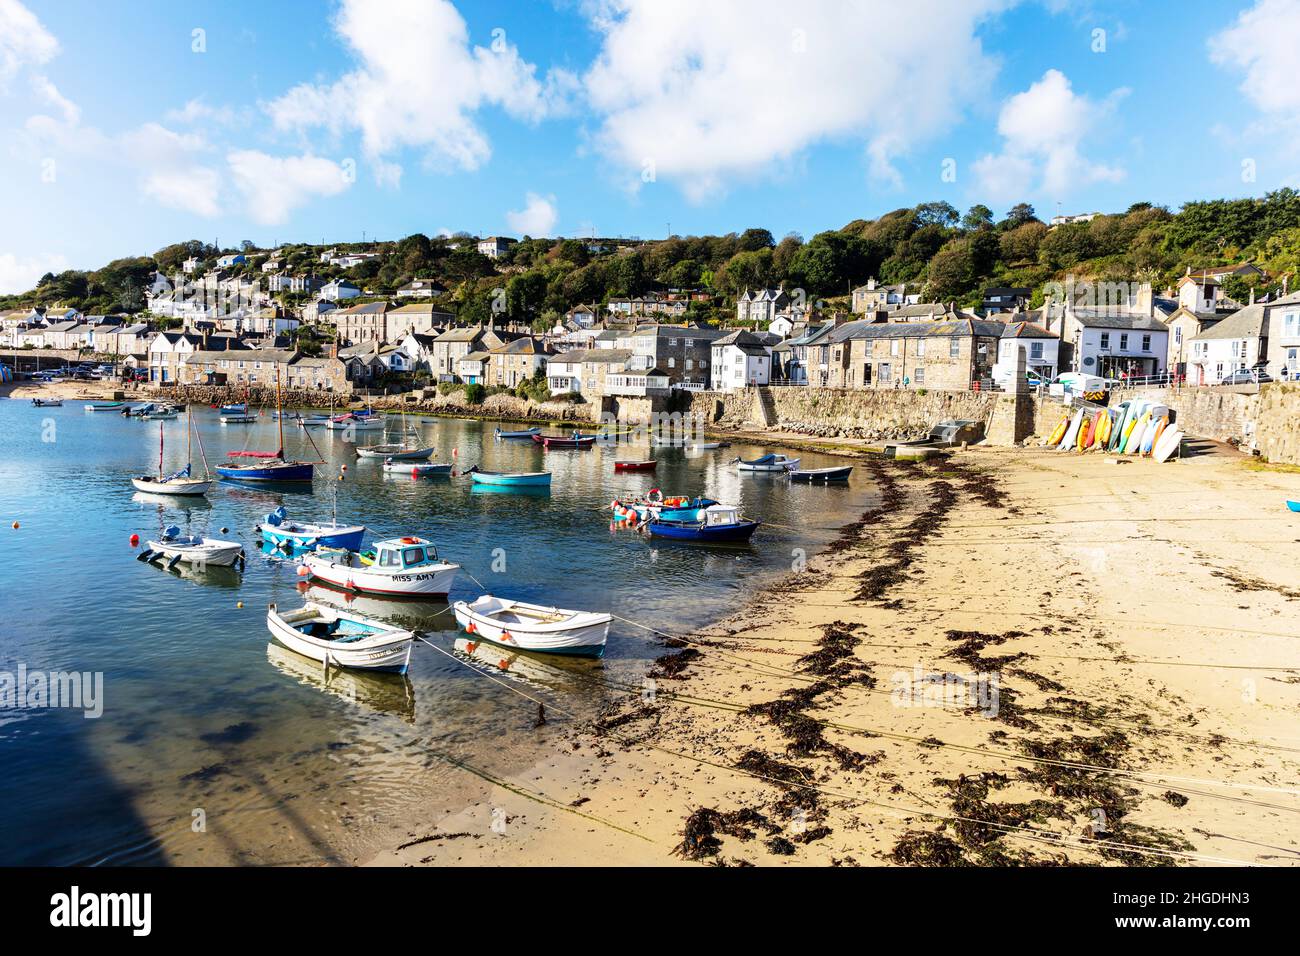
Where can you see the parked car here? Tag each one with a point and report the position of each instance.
(1246, 376)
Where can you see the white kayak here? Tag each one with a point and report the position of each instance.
(193, 549)
(342, 639)
(532, 627)
(404, 567)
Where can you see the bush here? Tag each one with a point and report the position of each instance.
(474, 394)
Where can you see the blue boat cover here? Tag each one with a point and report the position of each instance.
(172, 532)
(277, 516)
(183, 473)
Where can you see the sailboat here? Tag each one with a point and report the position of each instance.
(178, 483)
(405, 450)
(272, 466)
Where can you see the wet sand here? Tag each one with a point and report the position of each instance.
(1022, 657)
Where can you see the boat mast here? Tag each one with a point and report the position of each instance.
(189, 435)
(279, 418)
(160, 449)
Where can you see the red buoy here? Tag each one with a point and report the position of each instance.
(135, 541)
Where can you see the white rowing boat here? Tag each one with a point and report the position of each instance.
(395, 452)
(342, 639)
(532, 627)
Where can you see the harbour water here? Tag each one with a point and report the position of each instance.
(217, 746)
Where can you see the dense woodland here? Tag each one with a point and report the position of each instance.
(945, 255)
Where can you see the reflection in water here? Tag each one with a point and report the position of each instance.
(518, 491)
(559, 675)
(423, 616)
(382, 693)
(213, 575)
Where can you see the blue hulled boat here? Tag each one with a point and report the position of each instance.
(304, 535)
(1293, 505)
(720, 525)
(271, 465)
(510, 479)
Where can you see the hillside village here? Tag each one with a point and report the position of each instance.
(537, 317)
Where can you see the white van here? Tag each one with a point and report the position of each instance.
(1070, 384)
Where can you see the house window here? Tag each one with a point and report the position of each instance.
(886, 372)
(1146, 343)
(1123, 342)
(1035, 350)
(893, 347)
(954, 348)
(920, 347)
(1291, 324)
(672, 363)
(672, 342)
(1105, 340)
(689, 364)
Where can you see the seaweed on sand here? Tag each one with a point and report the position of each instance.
(698, 840)
(670, 666)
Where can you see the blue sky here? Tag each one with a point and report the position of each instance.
(125, 130)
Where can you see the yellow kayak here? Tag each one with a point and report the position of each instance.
(1103, 431)
(1058, 432)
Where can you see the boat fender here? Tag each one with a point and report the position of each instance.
(505, 636)
(469, 628)
(176, 559)
(144, 555)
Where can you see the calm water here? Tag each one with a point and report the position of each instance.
(204, 719)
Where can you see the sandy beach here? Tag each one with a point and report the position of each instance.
(1019, 657)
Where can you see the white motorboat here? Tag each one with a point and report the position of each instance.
(237, 419)
(407, 566)
(47, 402)
(164, 413)
(312, 421)
(342, 639)
(532, 627)
(192, 549)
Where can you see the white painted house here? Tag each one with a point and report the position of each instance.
(338, 290)
(739, 359)
(1040, 347)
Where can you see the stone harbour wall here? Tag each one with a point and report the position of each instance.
(423, 400)
(842, 413)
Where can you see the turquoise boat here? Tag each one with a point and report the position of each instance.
(510, 479)
(1293, 505)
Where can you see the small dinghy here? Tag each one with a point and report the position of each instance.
(165, 413)
(526, 434)
(721, 524)
(532, 627)
(341, 639)
(237, 419)
(138, 411)
(1293, 505)
(234, 408)
(418, 469)
(708, 445)
(767, 463)
(179, 482)
(103, 406)
(563, 441)
(509, 478)
(174, 547)
(47, 402)
(283, 533)
(673, 508)
(394, 452)
(821, 475)
(312, 421)
(648, 465)
(400, 567)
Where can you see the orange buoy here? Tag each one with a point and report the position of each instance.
(303, 571)
(15, 525)
(239, 604)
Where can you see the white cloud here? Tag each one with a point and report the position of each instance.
(418, 84)
(707, 92)
(196, 112)
(24, 41)
(537, 218)
(276, 185)
(171, 168)
(1261, 46)
(21, 275)
(1043, 131)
